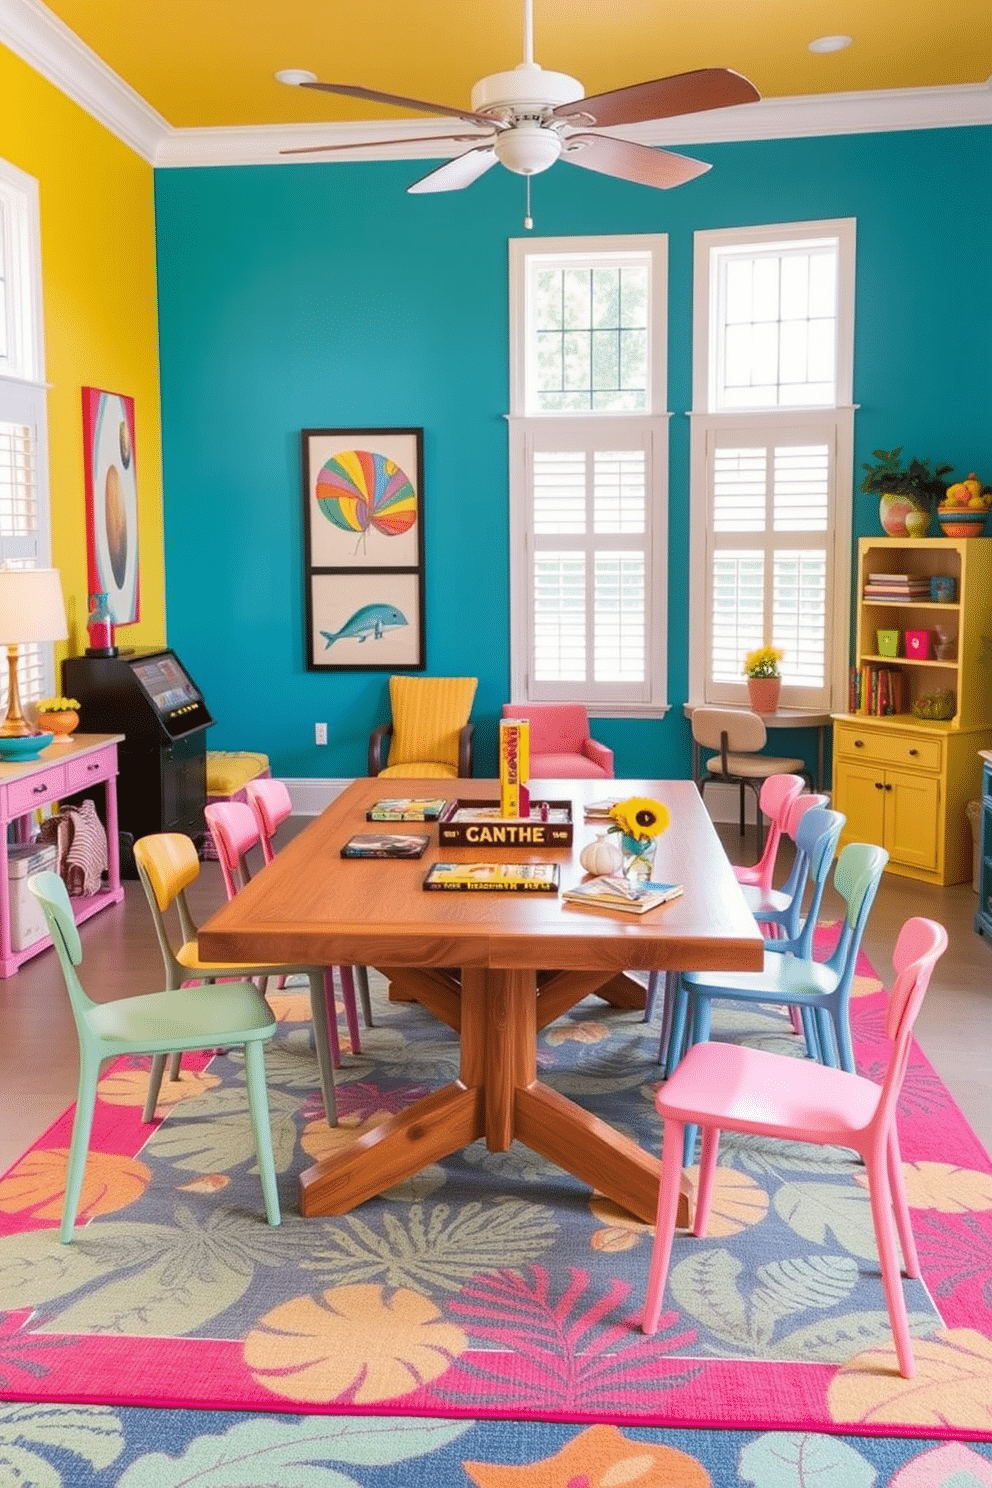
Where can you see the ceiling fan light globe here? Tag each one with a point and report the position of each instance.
(527, 149)
(295, 77)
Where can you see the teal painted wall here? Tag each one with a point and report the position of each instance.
(312, 296)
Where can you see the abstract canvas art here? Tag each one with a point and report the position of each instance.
(111, 501)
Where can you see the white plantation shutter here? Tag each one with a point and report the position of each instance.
(772, 458)
(24, 514)
(590, 549)
(588, 472)
(22, 521)
(770, 557)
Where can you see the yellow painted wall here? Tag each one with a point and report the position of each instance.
(100, 310)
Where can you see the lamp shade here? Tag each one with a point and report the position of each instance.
(31, 606)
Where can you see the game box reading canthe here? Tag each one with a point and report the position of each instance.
(480, 824)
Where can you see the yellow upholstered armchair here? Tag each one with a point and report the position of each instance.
(430, 735)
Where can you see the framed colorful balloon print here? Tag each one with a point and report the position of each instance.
(111, 501)
(364, 534)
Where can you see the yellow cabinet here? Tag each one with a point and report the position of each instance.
(893, 808)
(904, 782)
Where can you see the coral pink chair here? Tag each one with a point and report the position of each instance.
(775, 800)
(778, 911)
(272, 805)
(560, 744)
(234, 829)
(728, 1087)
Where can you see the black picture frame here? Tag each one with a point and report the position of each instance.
(363, 532)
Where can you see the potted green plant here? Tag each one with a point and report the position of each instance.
(908, 491)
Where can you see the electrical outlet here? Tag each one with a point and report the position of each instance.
(320, 733)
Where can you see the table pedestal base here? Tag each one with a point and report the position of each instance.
(497, 1096)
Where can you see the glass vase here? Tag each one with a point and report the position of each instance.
(638, 858)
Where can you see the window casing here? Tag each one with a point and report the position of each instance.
(588, 472)
(25, 534)
(772, 458)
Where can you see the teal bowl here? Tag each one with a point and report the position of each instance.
(24, 746)
(963, 523)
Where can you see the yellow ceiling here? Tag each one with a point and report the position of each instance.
(210, 63)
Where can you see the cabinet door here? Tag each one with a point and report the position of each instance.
(912, 806)
(859, 792)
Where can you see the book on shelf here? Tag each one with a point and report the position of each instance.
(528, 878)
(385, 845)
(407, 808)
(876, 691)
(611, 891)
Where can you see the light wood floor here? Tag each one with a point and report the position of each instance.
(38, 1051)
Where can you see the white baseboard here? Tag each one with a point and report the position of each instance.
(310, 797)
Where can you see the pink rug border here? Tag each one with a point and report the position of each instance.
(794, 1395)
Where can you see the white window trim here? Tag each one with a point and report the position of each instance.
(23, 391)
(561, 427)
(21, 226)
(837, 421)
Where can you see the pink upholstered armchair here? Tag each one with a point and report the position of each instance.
(560, 746)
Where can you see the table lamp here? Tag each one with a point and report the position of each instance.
(32, 610)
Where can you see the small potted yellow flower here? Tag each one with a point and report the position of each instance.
(764, 680)
(58, 715)
(640, 822)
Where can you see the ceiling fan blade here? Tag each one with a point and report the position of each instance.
(665, 98)
(458, 173)
(462, 139)
(630, 162)
(352, 90)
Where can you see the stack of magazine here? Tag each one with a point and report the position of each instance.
(615, 892)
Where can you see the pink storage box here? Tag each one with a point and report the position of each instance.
(917, 644)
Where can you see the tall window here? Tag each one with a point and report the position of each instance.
(24, 517)
(588, 472)
(772, 457)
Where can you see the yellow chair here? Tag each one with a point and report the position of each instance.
(430, 736)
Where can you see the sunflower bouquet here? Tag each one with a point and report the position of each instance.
(640, 822)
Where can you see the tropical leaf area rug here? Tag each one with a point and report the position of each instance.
(480, 1324)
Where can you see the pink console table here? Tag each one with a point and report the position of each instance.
(60, 771)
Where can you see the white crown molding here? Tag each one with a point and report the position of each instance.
(30, 30)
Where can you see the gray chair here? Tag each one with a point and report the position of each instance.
(737, 736)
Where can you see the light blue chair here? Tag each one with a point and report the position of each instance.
(796, 980)
(816, 838)
(157, 1023)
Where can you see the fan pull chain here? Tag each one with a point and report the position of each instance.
(528, 219)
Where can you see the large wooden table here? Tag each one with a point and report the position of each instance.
(495, 967)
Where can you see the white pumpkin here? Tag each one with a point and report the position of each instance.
(602, 855)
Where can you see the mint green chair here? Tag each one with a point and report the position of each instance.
(156, 1023)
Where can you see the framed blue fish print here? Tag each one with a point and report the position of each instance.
(364, 536)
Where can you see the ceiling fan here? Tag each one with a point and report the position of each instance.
(531, 118)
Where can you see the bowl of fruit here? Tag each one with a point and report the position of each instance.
(965, 508)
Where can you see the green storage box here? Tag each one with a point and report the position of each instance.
(887, 642)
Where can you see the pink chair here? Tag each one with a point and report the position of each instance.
(775, 800)
(560, 745)
(734, 1088)
(271, 803)
(234, 829)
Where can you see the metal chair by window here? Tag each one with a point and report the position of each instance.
(737, 736)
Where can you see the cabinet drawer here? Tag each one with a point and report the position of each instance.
(24, 795)
(90, 769)
(882, 747)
